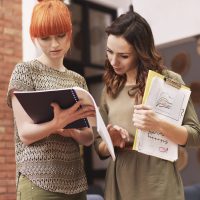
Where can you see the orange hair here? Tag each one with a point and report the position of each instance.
(50, 17)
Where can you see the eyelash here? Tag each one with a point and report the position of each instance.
(60, 36)
(44, 38)
(124, 56)
(110, 52)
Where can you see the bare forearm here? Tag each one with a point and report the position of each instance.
(103, 150)
(30, 133)
(146, 119)
(83, 136)
(177, 134)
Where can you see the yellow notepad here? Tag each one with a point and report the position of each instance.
(168, 99)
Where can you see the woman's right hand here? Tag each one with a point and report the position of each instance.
(63, 117)
(29, 132)
(119, 135)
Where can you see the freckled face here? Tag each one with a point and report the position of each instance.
(121, 54)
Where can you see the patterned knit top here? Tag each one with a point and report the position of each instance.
(53, 163)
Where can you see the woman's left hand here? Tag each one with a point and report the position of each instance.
(145, 119)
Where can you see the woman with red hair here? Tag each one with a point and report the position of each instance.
(49, 164)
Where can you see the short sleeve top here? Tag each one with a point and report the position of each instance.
(53, 163)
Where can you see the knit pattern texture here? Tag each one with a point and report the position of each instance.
(53, 163)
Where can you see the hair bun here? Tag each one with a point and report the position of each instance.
(131, 8)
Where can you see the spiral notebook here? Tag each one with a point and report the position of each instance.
(37, 105)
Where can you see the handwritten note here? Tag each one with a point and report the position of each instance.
(169, 103)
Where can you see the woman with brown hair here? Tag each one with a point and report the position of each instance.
(135, 176)
(49, 165)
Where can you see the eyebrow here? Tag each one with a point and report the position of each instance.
(127, 53)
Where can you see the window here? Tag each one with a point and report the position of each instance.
(87, 57)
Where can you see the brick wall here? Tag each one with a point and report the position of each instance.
(10, 54)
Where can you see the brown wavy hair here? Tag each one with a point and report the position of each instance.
(137, 32)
